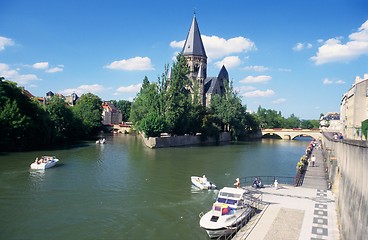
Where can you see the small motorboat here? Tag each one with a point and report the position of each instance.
(202, 182)
(44, 162)
(101, 141)
(230, 211)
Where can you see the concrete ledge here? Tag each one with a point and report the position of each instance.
(187, 140)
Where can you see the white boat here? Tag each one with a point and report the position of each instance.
(202, 182)
(228, 213)
(101, 141)
(44, 162)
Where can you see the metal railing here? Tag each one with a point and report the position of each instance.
(254, 201)
(267, 180)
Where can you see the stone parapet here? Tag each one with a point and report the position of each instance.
(347, 162)
(186, 140)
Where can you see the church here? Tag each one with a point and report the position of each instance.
(195, 54)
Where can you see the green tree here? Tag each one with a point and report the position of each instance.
(230, 111)
(23, 122)
(146, 113)
(178, 98)
(13, 125)
(365, 128)
(291, 122)
(88, 111)
(269, 118)
(62, 118)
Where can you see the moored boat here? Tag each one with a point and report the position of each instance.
(44, 162)
(202, 182)
(101, 141)
(228, 213)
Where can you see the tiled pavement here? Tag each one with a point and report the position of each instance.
(311, 210)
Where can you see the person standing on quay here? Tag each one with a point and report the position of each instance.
(313, 159)
(237, 183)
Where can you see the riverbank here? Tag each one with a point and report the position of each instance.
(186, 140)
(288, 212)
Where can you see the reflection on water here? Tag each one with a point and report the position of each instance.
(37, 175)
(36, 179)
(127, 190)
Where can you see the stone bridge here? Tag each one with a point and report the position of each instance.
(290, 134)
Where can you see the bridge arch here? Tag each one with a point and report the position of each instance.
(291, 134)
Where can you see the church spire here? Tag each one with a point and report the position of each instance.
(193, 44)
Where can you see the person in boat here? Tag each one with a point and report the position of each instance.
(237, 183)
(204, 179)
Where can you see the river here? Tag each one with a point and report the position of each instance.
(123, 190)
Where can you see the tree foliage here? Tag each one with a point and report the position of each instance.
(146, 110)
(269, 118)
(232, 114)
(88, 111)
(62, 119)
(27, 124)
(172, 106)
(23, 123)
(365, 128)
(178, 98)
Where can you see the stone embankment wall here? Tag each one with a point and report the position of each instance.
(347, 162)
(187, 140)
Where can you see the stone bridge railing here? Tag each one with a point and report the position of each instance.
(290, 134)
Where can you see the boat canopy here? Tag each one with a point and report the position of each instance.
(235, 193)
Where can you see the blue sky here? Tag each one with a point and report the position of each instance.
(297, 57)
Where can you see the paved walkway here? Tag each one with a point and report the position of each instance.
(296, 213)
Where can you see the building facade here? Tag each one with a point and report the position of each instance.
(195, 54)
(354, 108)
(110, 114)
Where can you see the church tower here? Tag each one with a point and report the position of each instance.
(196, 57)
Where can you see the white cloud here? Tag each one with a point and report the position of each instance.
(130, 89)
(59, 68)
(179, 44)
(333, 50)
(279, 101)
(132, 64)
(256, 79)
(5, 42)
(94, 88)
(327, 81)
(45, 66)
(14, 75)
(259, 93)
(284, 69)
(256, 68)
(302, 46)
(229, 62)
(217, 47)
(244, 88)
(41, 65)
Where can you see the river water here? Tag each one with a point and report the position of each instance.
(123, 190)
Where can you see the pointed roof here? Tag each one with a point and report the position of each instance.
(223, 73)
(193, 44)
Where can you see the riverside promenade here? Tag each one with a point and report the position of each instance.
(296, 213)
